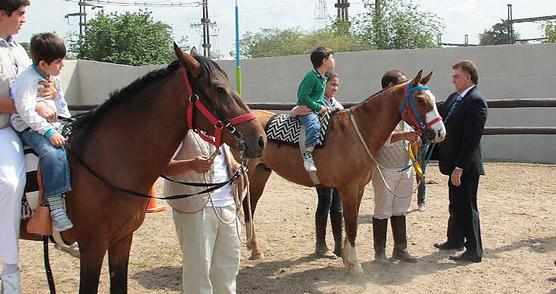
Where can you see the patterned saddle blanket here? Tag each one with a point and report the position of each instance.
(282, 128)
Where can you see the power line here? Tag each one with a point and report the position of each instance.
(142, 4)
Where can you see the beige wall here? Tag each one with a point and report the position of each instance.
(505, 72)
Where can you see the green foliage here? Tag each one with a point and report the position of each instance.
(399, 25)
(550, 31)
(27, 47)
(499, 34)
(131, 38)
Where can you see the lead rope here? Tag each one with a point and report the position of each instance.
(378, 165)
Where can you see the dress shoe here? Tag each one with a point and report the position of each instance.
(466, 256)
(446, 246)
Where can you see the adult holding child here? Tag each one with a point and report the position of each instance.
(13, 60)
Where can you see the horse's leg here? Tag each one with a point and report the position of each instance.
(91, 257)
(258, 176)
(118, 260)
(351, 198)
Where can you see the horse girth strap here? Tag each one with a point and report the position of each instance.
(218, 124)
(213, 187)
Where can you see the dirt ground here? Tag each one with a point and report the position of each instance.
(517, 204)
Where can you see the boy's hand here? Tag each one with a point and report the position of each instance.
(48, 90)
(57, 140)
(201, 164)
(300, 110)
(46, 112)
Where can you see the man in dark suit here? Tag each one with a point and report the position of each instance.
(459, 156)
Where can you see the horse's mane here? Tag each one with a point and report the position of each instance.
(84, 123)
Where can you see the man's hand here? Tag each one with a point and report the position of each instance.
(410, 136)
(46, 112)
(455, 177)
(300, 110)
(57, 140)
(201, 164)
(323, 109)
(48, 90)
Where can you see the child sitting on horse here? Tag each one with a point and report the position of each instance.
(41, 134)
(311, 94)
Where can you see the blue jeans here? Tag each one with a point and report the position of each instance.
(53, 162)
(312, 129)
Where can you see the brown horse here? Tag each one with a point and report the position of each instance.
(129, 140)
(344, 163)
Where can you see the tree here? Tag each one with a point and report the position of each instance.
(399, 24)
(499, 34)
(550, 31)
(132, 38)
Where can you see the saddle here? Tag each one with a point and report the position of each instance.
(282, 128)
(34, 209)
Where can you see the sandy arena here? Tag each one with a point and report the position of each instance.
(517, 205)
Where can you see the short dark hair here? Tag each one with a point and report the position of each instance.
(332, 74)
(47, 47)
(468, 67)
(319, 54)
(9, 6)
(391, 76)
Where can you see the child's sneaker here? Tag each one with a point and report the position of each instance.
(60, 220)
(308, 162)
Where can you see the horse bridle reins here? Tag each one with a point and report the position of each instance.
(405, 112)
(194, 102)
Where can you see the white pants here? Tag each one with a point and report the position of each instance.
(387, 204)
(210, 248)
(12, 184)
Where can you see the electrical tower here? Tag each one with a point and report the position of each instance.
(206, 24)
(320, 13)
(342, 6)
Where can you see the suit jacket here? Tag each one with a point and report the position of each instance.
(464, 130)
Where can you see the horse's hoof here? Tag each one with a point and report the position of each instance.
(356, 271)
(256, 256)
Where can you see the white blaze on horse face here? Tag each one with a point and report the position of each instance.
(438, 126)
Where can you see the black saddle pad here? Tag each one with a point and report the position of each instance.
(282, 128)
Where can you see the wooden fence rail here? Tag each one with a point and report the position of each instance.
(500, 103)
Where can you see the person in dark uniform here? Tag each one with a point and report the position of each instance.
(459, 156)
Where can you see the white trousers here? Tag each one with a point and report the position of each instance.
(387, 204)
(210, 248)
(12, 184)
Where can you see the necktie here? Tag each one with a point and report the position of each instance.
(453, 107)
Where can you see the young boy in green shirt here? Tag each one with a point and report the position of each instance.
(311, 94)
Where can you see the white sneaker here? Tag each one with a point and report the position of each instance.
(308, 162)
(11, 284)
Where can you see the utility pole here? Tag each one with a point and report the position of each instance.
(206, 24)
(510, 24)
(82, 15)
(342, 6)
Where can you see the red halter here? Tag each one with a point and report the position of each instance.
(218, 124)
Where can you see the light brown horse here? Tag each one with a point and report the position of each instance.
(129, 140)
(343, 163)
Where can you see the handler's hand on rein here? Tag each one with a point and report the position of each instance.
(201, 164)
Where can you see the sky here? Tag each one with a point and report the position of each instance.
(460, 17)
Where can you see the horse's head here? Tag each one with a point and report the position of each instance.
(216, 108)
(419, 109)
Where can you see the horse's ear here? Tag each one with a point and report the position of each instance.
(415, 81)
(187, 61)
(426, 79)
(194, 52)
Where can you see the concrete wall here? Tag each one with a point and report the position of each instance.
(505, 72)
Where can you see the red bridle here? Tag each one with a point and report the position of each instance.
(218, 124)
